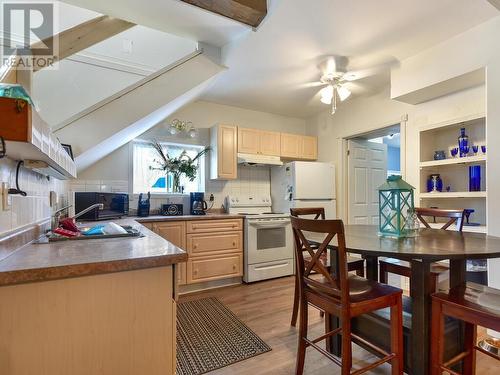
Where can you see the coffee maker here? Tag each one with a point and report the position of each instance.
(198, 204)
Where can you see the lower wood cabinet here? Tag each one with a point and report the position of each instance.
(175, 232)
(209, 243)
(214, 267)
(215, 248)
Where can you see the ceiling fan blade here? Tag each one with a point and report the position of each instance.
(308, 85)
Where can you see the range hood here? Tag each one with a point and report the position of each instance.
(252, 159)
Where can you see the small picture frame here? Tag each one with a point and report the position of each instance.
(68, 149)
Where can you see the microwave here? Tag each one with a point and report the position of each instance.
(115, 205)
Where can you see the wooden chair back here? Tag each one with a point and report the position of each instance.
(307, 211)
(336, 284)
(453, 215)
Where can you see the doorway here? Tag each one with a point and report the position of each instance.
(371, 157)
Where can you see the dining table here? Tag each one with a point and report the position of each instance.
(428, 246)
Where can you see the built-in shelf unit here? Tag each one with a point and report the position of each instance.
(454, 171)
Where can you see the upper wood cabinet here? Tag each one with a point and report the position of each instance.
(248, 141)
(254, 141)
(224, 144)
(299, 147)
(290, 145)
(270, 143)
(308, 147)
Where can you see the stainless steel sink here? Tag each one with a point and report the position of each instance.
(131, 232)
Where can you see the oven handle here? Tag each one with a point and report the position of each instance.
(271, 266)
(271, 225)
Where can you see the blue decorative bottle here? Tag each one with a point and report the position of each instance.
(434, 183)
(463, 143)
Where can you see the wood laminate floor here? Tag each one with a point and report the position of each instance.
(266, 308)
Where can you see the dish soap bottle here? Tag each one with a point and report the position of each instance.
(463, 143)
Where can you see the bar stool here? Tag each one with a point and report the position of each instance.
(353, 264)
(402, 268)
(343, 295)
(476, 305)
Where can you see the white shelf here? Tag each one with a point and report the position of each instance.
(451, 161)
(454, 194)
(466, 228)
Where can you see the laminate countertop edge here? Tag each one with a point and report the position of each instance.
(68, 259)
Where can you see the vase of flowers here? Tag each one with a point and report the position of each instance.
(177, 166)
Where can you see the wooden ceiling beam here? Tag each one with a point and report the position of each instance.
(83, 36)
(249, 12)
(495, 3)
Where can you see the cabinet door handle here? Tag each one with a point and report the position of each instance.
(195, 246)
(195, 272)
(234, 266)
(234, 243)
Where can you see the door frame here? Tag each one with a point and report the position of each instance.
(343, 204)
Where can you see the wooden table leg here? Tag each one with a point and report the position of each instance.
(420, 291)
(371, 267)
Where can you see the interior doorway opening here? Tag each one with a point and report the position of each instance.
(371, 158)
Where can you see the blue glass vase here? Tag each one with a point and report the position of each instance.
(434, 183)
(463, 143)
(475, 178)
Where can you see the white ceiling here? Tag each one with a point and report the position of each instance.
(269, 69)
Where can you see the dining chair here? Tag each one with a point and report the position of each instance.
(353, 264)
(343, 295)
(474, 304)
(402, 268)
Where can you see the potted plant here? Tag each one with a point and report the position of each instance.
(177, 166)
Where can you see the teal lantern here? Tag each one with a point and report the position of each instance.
(395, 207)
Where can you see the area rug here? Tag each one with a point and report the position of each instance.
(210, 336)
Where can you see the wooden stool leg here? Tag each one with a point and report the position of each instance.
(397, 337)
(301, 350)
(437, 337)
(470, 341)
(295, 309)
(346, 346)
(383, 274)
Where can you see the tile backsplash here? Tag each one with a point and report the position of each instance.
(34, 207)
(251, 181)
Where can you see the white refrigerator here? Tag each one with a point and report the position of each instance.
(304, 184)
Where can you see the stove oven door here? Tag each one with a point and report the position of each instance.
(269, 240)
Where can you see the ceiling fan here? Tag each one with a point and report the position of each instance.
(337, 79)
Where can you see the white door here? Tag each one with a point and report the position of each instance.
(366, 172)
(313, 180)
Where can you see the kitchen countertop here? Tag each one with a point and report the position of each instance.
(209, 216)
(64, 259)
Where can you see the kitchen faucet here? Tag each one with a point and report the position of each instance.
(55, 217)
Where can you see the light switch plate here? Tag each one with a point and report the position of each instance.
(4, 195)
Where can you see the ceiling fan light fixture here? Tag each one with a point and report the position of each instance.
(327, 94)
(343, 92)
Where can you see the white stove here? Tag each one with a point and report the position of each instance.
(268, 249)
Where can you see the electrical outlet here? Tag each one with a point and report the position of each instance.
(4, 195)
(212, 198)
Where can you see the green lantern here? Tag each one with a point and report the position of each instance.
(395, 207)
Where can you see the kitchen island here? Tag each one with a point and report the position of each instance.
(90, 306)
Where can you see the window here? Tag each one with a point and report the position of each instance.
(145, 179)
